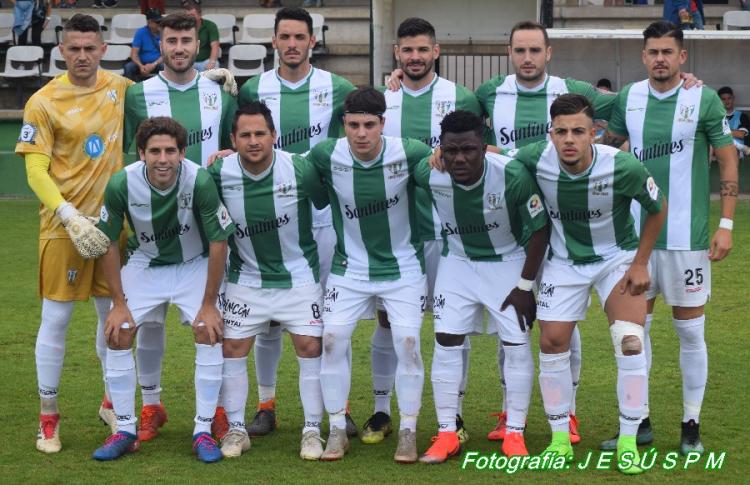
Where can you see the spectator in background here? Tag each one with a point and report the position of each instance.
(22, 12)
(40, 16)
(739, 122)
(147, 5)
(604, 84)
(145, 54)
(688, 14)
(105, 3)
(208, 35)
(745, 4)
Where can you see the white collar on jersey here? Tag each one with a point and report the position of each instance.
(536, 88)
(659, 95)
(475, 184)
(369, 162)
(420, 91)
(180, 87)
(292, 85)
(169, 189)
(260, 176)
(585, 173)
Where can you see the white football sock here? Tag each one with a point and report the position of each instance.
(335, 373)
(384, 362)
(209, 362)
(447, 367)
(149, 353)
(631, 390)
(693, 364)
(556, 386)
(575, 365)
(500, 365)
(519, 379)
(310, 393)
(267, 356)
(409, 374)
(466, 351)
(50, 350)
(102, 304)
(234, 388)
(647, 355)
(121, 380)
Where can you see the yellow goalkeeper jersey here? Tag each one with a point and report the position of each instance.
(80, 129)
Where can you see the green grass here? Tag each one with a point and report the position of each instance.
(275, 459)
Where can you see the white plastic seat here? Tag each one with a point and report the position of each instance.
(6, 28)
(123, 27)
(736, 18)
(257, 28)
(23, 61)
(49, 36)
(56, 63)
(318, 21)
(114, 58)
(226, 23)
(241, 55)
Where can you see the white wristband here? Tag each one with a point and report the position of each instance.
(725, 223)
(525, 285)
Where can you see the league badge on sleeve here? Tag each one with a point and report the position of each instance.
(534, 205)
(222, 214)
(28, 134)
(103, 214)
(652, 188)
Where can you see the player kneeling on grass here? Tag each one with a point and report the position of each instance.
(273, 270)
(489, 208)
(177, 255)
(588, 190)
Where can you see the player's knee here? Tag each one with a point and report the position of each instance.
(201, 335)
(383, 319)
(627, 337)
(553, 343)
(333, 344)
(125, 339)
(235, 348)
(449, 339)
(308, 347)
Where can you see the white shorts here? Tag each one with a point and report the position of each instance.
(149, 290)
(325, 238)
(248, 311)
(464, 288)
(432, 252)
(348, 300)
(564, 289)
(682, 277)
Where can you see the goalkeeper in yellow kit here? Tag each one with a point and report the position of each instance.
(71, 140)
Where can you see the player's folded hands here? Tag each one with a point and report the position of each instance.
(88, 240)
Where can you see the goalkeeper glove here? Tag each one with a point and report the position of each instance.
(89, 241)
(222, 75)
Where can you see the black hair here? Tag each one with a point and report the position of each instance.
(415, 26)
(662, 28)
(253, 108)
(725, 90)
(461, 121)
(529, 25)
(82, 23)
(571, 104)
(604, 83)
(160, 125)
(293, 13)
(365, 100)
(178, 21)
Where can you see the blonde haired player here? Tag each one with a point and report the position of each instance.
(71, 142)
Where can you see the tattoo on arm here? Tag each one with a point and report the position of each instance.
(728, 188)
(613, 140)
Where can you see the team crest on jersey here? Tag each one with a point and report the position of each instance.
(442, 108)
(285, 189)
(28, 134)
(534, 205)
(600, 188)
(112, 95)
(72, 275)
(652, 188)
(210, 101)
(686, 113)
(494, 201)
(185, 200)
(396, 170)
(93, 146)
(320, 97)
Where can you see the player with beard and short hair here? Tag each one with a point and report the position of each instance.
(205, 110)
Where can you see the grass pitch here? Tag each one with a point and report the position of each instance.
(275, 458)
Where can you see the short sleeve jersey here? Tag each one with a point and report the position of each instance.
(417, 114)
(201, 106)
(169, 226)
(590, 211)
(272, 245)
(80, 129)
(671, 133)
(520, 116)
(491, 219)
(373, 208)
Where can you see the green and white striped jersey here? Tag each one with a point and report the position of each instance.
(520, 116)
(417, 114)
(201, 106)
(590, 211)
(492, 219)
(304, 113)
(671, 134)
(373, 208)
(169, 226)
(272, 245)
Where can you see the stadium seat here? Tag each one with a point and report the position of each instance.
(257, 28)
(114, 58)
(319, 28)
(56, 63)
(739, 19)
(6, 28)
(243, 55)
(227, 25)
(123, 27)
(50, 33)
(23, 62)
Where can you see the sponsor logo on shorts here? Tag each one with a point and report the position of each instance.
(438, 302)
(229, 307)
(332, 294)
(72, 275)
(28, 134)
(546, 289)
